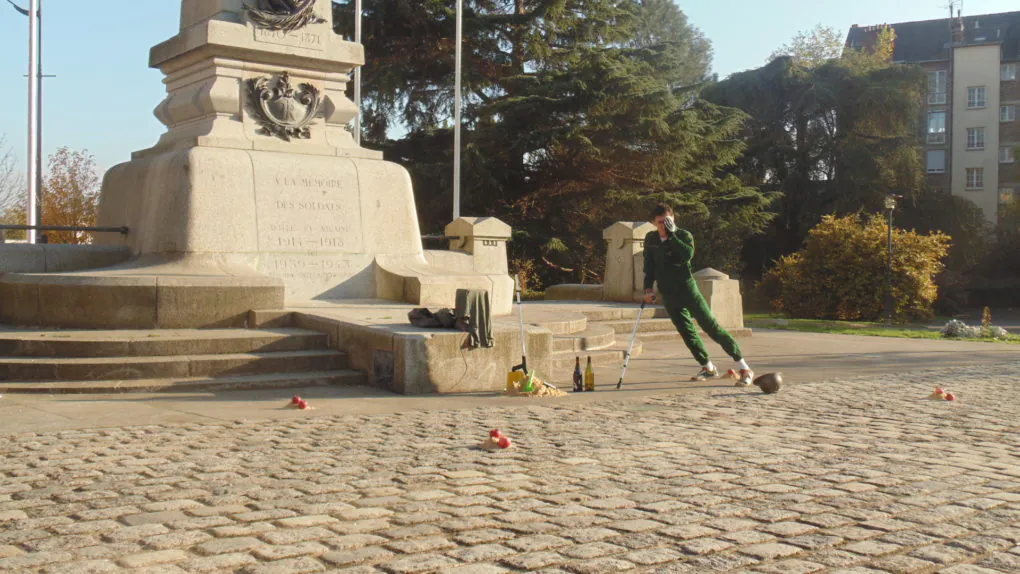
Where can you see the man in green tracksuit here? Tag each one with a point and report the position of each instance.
(668, 254)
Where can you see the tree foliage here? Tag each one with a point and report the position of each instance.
(70, 195)
(841, 272)
(812, 48)
(832, 136)
(578, 113)
(12, 189)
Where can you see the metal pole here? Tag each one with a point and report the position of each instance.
(38, 125)
(33, 115)
(457, 111)
(888, 276)
(357, 73)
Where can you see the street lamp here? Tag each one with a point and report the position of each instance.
(890, 206)
(34, 215)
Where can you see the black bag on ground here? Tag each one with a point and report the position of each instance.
(422, 317)
(441, 319)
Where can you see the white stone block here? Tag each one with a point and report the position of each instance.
(624, 270)
(723, 297)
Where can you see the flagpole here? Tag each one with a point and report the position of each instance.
(357, 73)
(457, 111)
(33, 116)
(41, 236)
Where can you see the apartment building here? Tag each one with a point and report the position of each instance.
(971, 133)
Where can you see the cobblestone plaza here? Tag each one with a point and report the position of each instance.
(861, 475)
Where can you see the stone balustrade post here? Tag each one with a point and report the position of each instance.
(624, 269)
(723, 297)
(485, 238)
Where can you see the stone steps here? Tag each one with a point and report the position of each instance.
(181, 366)
(563, 362)
(660, 330)
(594, 338)
(155, 343)
(341, 377)
(601, 331)
(76, 361)
(650, 325)
(602, 315)
(560, 323)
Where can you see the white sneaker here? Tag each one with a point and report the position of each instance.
(704, 374)
(745, 378)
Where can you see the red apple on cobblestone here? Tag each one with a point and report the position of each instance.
(302, 404)
(939, 391)
(504, 442)
(950, 397)
(295, 400)
(495, 433)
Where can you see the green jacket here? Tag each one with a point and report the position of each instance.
(669, 262)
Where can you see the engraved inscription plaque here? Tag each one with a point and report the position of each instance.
(310, 228)
(310, 212)
(304, 38)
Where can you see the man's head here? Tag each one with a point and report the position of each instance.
(659, 215)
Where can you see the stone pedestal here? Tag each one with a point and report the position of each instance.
(723, 297)
(624, 276)
(485, 238)
(257, 195)
(476, 259)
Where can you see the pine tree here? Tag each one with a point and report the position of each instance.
(833, 136)
(578, 113)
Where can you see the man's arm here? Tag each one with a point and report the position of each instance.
(683, 245)
(649, 269)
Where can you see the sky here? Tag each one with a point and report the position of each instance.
(104, 92)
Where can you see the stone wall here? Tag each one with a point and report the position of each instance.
(52, 258)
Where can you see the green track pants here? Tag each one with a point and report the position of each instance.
(684, 310)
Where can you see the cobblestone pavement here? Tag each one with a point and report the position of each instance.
(856, 476)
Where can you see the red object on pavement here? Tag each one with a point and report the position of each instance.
(950, 397)
(295, 400)
(504, 442)
(302, 404)
(495, 433)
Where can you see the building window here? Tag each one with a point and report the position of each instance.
(1008, 72)
(937, 87)
(975, 178)
(937, 127)
(936, 161)
(975, 138)
(1006, 154)
(976, 97)
(1007, 113)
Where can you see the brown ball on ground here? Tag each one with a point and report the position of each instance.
(769, 383)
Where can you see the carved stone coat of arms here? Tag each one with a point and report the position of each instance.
(284, 15)
(281, 109)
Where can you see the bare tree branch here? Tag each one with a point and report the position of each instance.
(12, 184)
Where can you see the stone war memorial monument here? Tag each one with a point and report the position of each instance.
(263, 247)
(256, 194)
